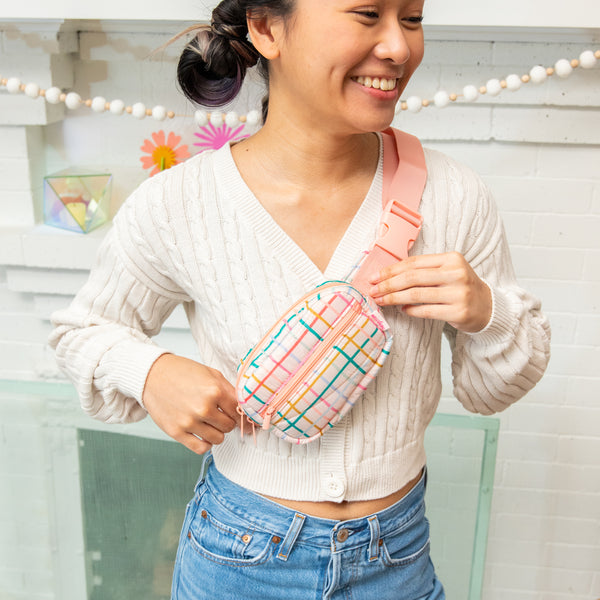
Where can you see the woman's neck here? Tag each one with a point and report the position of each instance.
(310, 158)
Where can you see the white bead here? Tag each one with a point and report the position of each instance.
(98, 104)
(73, 101)
(253, 118)
(216, 118)
(138, 110)
(32, 90)
(441, 99)
(414, 104)
(159, 113)
(538, 74)
(53, 95)
(13, 85)
(201, 118)
(117, 107)
(563, 68)
(587, 59)
(513, 83)
(470, 93)
(231, 119)
(493, 87)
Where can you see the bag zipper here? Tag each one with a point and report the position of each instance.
(347, 318)
(258, 347)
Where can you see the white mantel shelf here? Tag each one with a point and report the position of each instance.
(577, 14)
(50, 247)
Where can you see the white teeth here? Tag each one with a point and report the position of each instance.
(378, 83)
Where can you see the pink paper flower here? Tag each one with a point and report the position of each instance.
(215, 137)
(163, 154)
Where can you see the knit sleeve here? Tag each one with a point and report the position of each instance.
(103, 340)
(498, 365)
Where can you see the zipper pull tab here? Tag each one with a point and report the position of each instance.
(239, 411)
(267, 418)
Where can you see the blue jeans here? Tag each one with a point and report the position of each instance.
(237, 544)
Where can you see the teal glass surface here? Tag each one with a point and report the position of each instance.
(109, 499)
(461, 460)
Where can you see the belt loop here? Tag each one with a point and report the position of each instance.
(291, 536)
(204, 464)
(374, 545)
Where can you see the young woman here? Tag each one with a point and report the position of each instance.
(237, 235)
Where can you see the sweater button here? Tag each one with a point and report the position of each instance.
(335, 488)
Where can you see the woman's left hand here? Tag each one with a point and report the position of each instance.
(436, 286)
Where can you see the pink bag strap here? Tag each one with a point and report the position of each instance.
(404, 177)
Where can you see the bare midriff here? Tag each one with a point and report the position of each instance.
(343, 511)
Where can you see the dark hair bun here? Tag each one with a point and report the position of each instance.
(213, 65)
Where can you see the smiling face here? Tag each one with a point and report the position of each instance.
(344, 63)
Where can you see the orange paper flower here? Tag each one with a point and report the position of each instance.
(163, 154)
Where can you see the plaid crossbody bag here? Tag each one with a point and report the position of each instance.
(311, 367)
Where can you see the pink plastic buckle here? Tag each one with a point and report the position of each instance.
(398, 231)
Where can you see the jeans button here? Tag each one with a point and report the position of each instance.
(342, 535)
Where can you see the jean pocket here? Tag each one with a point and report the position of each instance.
(226, 539)
(408, 543)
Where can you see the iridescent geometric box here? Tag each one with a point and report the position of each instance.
(77, 200)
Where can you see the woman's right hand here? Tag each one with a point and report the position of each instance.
(190, 402)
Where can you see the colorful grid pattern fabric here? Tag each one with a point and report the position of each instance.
(308, 371)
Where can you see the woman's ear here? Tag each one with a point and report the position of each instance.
(265, 33)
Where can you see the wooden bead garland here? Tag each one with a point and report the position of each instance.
(537, 75)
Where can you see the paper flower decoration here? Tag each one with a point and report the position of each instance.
(163, 154)
(215, 137)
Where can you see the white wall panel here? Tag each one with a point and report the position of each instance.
(508, 13)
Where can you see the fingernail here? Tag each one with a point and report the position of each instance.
(373, 291)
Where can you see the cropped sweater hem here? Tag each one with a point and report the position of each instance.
(306, 479)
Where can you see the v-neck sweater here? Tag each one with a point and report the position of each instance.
(196, 235)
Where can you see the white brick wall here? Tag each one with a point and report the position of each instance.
(538, 149)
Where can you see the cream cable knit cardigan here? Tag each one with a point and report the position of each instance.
(196, 235)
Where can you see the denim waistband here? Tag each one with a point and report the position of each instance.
(295, 527)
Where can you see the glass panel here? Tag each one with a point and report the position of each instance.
(461, 455)
(134, 493)
(89, 510)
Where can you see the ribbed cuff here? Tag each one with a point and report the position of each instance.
(502, 323)
(130, 366)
